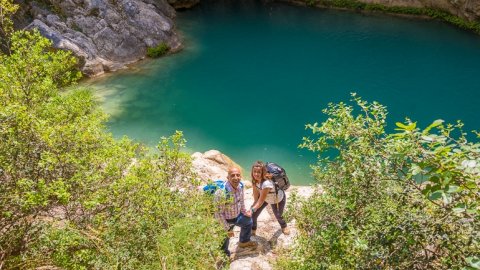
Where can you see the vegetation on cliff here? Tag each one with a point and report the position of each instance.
(157, 51)
(406, 200)
(430, 12)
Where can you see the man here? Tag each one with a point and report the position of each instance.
(231, 210)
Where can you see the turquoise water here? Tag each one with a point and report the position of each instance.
(252, 75)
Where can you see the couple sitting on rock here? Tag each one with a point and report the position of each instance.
(231, 204)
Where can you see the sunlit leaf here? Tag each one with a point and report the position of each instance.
(436, 195)
(473, 262)
(435, 123)
(453, 189)
(401, 125)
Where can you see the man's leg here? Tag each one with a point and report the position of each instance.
(226, 242)
(245, 223)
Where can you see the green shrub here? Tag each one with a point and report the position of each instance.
(157, 51)
(311, 2)
(407, 200)
(73, 197)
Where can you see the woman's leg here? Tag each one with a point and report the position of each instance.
(256, 214)
(278, 212)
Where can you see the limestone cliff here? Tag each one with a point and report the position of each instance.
(106, 35)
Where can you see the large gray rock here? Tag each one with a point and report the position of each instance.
(213, 165)
(105, 35)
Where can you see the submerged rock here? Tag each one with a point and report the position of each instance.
(105, 35)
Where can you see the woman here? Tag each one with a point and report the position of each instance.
(263, 194)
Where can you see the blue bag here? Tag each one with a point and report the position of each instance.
(210, 188)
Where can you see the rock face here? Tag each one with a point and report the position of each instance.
(105, 34)
(211, 165)
(467, 9)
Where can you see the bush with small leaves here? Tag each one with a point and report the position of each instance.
(157, 51)
(408, 200)
(72, 196)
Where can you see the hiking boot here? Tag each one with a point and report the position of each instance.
(254, 232)
(286, 231)
(249, 244)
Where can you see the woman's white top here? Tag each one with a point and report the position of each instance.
(271, 194)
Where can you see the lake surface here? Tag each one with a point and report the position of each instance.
(252, 75)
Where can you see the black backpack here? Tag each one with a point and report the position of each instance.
(279, 176)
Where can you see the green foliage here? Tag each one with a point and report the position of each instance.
(32, 72)
(139, 222)
(408, 200)
(7, 9)
(30, 180)
(350, 4)
(155, 221)
(71, 196)
(157, 51)
(311, 2)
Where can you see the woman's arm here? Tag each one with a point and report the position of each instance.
(261, 199)
(256, 194)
